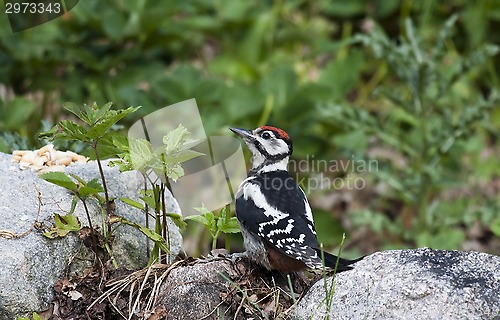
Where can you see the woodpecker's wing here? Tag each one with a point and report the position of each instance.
(273, 207)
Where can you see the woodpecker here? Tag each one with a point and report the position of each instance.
(274, 215)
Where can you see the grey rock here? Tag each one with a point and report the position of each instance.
(30, 265)
(411, 284)
(195, 292)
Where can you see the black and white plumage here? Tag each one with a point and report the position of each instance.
(273, 212)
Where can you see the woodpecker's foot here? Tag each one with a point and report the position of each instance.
(219, 253)
(237, 256)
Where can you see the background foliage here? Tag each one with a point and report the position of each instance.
(343, 78)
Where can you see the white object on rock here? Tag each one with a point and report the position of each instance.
(46, 159)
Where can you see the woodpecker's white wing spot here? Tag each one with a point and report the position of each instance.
(287, 230)
(240, 191)
(253, 192)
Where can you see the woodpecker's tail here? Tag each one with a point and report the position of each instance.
(331, 261)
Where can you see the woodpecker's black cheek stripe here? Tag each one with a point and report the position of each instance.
(276, 157)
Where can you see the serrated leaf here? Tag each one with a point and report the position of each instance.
(182, 156)
(230, 226)
(199, 218)
(175, 171)
(71, 131)
(90, 188)
(60, 179)
(121, 142)
(141, 154)
(49, 135)
(202, 210)
(175, 139)
(109, 119)
(133, 203)
(100, 112)
(95, 184)
(77, 111)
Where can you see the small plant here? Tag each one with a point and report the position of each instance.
(330, 291)
(97, 121)
(426, 120)
(96, 124)
(216, 224)
(157, 165)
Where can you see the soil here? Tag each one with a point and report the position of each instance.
(255, 293)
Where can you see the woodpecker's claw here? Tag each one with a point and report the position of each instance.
(236, 256)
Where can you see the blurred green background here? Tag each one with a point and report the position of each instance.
(411, 85)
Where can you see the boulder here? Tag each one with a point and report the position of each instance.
(197, 291)
(32, 263)
(410, 284)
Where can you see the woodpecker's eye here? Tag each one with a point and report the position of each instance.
(266, 135)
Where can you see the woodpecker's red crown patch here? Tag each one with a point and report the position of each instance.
(280, 132)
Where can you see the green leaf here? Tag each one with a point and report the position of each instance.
(63, 225)
(182, 156)
(175, 171)
(230, 226)
(110, 118)
(149, 200)
(90, 188)
(49, 135)
(120, 141)
(175, 139)
(68, 222)
(77, 178)
(77, 111)
(158, 239)
(177, 219)
(71, 131)
(60, 179)
(202, 210)
(101, 112)
(199, 218)
(74, 202)
(133, 203)
(206, 217)
(141, 154)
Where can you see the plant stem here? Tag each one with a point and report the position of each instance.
(101, 172)
(228, 235)
(92, 230)
(146, 209)
(166, 233)
(214, 240)
(156, 195)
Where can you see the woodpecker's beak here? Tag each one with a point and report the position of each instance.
(243, 133)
